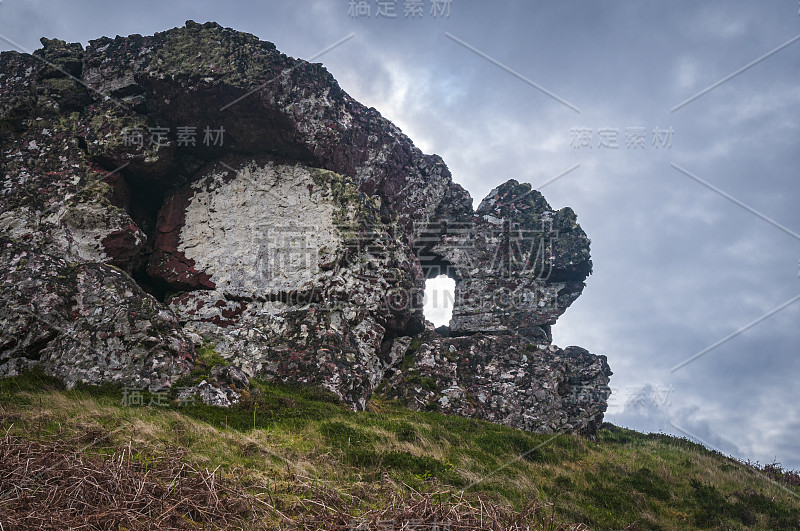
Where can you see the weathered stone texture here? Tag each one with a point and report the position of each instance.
(506, 380)
(297, 243)
(85, 323)
(300, 273)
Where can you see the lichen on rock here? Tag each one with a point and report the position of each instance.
(506, 380)
(85, 323)
(297, 274)
(198, 186)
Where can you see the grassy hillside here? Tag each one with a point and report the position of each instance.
(295, 458)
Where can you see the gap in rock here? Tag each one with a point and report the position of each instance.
(142, 199)
(146, 199)
(437, 305)
(440, 284)
(154, 286)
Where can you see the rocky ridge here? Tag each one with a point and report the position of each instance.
(198, 187)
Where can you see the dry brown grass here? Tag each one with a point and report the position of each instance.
(60, 485)
(57, 485)
(319, 507)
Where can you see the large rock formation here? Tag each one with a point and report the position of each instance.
(198, 186)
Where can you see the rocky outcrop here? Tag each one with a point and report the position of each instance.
(504, 379)
(85, 322)
(518, 265)
(197, 186)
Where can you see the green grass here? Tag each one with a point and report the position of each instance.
(622, 478)
(206, 359)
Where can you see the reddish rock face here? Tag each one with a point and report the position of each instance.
(167, 262)
(123, 246)
(283, 161)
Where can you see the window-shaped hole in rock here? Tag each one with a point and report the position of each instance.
(437, 304)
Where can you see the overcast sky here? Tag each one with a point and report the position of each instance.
(530, 90)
